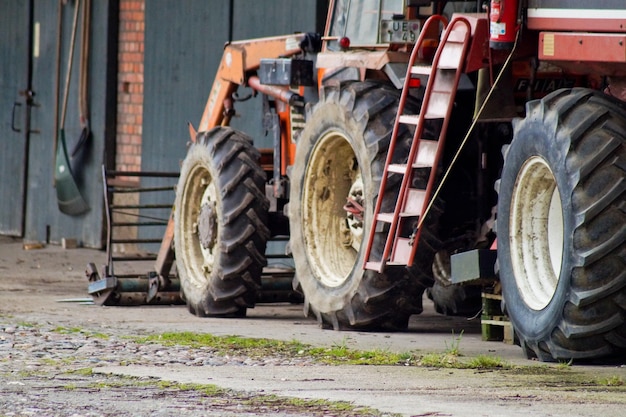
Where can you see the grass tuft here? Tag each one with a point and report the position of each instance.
(488, 362)
(337, 354)
(78, 330)
(613, 381)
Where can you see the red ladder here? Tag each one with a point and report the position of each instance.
(411, 204)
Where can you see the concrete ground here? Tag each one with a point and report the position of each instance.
(47, 285)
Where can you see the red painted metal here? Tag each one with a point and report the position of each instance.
(438, 101)
(577, 24)
(582, 19)
(587, 47)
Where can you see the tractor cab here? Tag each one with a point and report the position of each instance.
(374, 38)
(384, 24)
(370, 24)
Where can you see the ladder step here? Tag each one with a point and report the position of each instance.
(410, 119)
(401, 251)
(426, 152)
(388, 217)
(374, 266)
(413, 119)
(396, 263)
(438, 104)
(425, 157)
(437, 108)
(397, 168)
(432, 115)
(457, 34)
(427, 69)
(414, 203)
(401, 168)
(451, 56)
(421, 70)
(444, 82)
(384, 217)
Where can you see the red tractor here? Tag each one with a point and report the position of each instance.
(413, 142)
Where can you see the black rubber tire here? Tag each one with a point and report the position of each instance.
(574, 306)
(462, 300)
(349, 129)
(220, 224)
(456, 299)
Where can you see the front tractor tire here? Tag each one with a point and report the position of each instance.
(220, 224)
(562, 225)
(339, 162)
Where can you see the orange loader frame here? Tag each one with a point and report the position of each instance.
(238, 61)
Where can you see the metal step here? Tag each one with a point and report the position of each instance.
(411, 203)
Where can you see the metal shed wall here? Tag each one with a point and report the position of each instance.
(184, 41)
(183, 48)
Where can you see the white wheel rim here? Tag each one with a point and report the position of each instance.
(331, 173)
(536, 233)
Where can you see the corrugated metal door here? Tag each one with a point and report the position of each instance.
(28, 53)
(44, 221)
(14, 82)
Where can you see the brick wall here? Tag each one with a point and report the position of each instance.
(129, 115)
(130, 85)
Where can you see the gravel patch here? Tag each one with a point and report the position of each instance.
(45, 370)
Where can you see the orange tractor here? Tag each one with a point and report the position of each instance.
(439, 146)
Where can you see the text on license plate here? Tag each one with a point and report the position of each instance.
(399, 31)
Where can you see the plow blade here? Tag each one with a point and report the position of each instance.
(110, 290)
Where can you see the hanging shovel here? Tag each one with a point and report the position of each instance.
(69, 198)
(83, 73)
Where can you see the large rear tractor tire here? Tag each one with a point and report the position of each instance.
(562, 225)
(220, 224)
(334, 185)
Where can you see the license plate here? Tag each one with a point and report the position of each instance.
(399, 31)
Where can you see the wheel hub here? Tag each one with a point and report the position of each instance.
(207, 226)
(206, 222)
(355, 211)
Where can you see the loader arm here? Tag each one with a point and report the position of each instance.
(238, 60)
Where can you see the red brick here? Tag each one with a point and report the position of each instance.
(130, 87)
